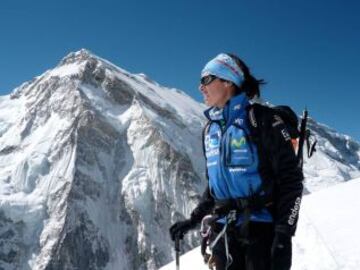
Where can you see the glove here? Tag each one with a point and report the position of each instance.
(179, 229)
(281, 252)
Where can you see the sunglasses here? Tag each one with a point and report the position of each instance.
(207, 79)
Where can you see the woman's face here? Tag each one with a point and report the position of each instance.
(217, 92)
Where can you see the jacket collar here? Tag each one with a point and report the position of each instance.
(234, 110)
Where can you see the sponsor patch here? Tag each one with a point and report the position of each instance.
(214, 163)
(239, 169)
(239, 121)
(238, 143)
(213, 152)
(212, 141)
(237, 107)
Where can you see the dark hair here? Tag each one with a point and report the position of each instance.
(251, 86)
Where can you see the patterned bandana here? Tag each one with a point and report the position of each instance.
(224, 67)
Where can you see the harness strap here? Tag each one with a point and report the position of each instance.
(231, 217)
(223, 231)
(229, 259)
(230, 209)
(243, 206)
(253, 203)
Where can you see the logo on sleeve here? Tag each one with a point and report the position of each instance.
(237, 107)
(214, 140)
(278, 121)
(212, 144)
(285, 134)
(239, 121)
(294, 211)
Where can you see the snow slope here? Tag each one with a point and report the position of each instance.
(327, 237)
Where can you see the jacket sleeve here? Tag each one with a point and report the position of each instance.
(207, 201)
(204, 207)
(288, 185)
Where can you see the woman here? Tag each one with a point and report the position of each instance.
(254, 181)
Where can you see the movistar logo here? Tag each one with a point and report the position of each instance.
(238, 143)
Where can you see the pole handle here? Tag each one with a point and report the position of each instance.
(177, 251)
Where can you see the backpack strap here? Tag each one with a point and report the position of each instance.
(258, 116)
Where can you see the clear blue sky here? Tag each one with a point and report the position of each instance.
(308, 51)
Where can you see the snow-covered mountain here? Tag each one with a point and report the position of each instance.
(96, 163)
(337, 158)
(92, 159)
(327, 237)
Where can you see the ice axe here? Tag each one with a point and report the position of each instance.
(305, 137)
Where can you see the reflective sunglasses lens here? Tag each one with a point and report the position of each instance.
(207, 79)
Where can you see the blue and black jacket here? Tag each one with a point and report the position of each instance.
(249, 155)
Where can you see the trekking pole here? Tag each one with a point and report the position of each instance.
(177, 252)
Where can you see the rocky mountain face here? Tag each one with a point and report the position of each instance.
(96, 163)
